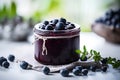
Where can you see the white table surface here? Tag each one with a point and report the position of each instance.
(25, 51)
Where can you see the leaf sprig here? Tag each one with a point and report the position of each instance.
(97, 57)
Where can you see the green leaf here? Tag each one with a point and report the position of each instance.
(96, 56)
(78, 51)
(91, 54)
(84, 49)
(12, 10)
(83, 57)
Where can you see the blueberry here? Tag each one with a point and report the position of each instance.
(85, 72)
(67, 23)
(49, 27)
(46, 22)
(70, 26)
(83, 58)
(5, 64)
(117, 25)
(76, 72)
(11, 58)
(24, 65)
(64, 72)
(113, 21)
(46, 70)
(60, 26)
(2, 59)
(55, 21)
(108, 23)
(42, 26)
(63, 20)
(104, 61)
(100, 20)
(109, 12)
(104, 68)
(93, 68)
(79, 68)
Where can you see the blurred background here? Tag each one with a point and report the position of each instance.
(18, 17)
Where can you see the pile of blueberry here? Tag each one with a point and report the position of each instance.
(111, 18)
(4, 62)
(57, 24)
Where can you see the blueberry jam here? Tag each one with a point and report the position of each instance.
(55, 44)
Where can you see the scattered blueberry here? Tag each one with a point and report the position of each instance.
(63, 20)
(85, 72)
(11, 58)
(64, 72)
(5, 64)
(46, 70)
(60, 26)
(104, 68)
(79, 68)
(46, 22)
(24, 65)
(76, 72)
(49, 27)
(2, 59)
(93, 68)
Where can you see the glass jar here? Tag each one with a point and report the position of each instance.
(56, 47)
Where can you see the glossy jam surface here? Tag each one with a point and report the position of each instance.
(60, 49)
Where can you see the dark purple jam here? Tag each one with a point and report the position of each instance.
(56, 47)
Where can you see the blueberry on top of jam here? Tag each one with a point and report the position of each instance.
(49, 27)
(57, 24)
(60, 26)
(46, 22)
(55, 21)
(63, 20)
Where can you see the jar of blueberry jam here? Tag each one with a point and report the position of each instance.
(56, 42)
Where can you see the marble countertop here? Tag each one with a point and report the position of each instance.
(25, 51)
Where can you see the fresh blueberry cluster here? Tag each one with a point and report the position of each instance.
(4, 62)
(57, 24)
(111, 18)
